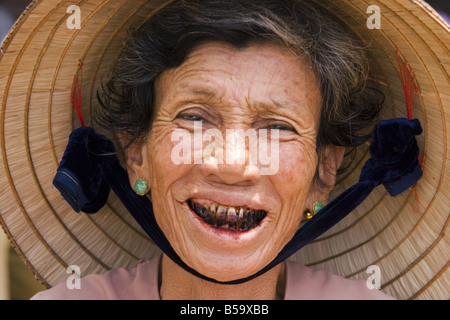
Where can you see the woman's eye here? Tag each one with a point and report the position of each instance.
(283, 127)
(190, 117)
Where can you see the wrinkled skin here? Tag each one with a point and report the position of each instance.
(262, 87)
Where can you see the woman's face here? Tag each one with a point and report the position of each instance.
(226, 219)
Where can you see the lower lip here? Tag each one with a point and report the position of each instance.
(221, 232)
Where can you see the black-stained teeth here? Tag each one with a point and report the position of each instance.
(231, 214)
(221, 212)
(233, 218)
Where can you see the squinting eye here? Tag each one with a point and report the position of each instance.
(281, 127)
(190, 117)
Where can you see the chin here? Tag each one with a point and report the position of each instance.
(226, 268)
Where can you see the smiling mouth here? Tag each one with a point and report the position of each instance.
(226, 217)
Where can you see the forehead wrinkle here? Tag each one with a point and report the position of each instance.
(196, 82)
(267, 106)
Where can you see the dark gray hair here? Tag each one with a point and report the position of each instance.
(350, 106)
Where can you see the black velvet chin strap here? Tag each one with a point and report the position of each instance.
(89, 169)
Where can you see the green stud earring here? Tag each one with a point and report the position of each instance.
(317, 206)
(141, 187)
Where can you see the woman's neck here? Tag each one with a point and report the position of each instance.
(176, 283)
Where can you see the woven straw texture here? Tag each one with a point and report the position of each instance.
(404, 236)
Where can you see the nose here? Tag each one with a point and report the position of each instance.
(239, 174)
(236, 163)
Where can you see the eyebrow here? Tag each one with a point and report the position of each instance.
(201, 91)
(273, 105)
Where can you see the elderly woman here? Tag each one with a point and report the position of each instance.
(235, 118)
(279, 66)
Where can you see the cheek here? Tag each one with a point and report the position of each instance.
(164, 173)
(296, 170)
(292, 184)
(164, 170)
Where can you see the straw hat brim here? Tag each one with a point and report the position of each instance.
(404, 236)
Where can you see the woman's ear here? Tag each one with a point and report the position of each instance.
(329, 163)
(136, 158)
(331, 160)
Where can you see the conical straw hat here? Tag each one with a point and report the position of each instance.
(404, 236)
